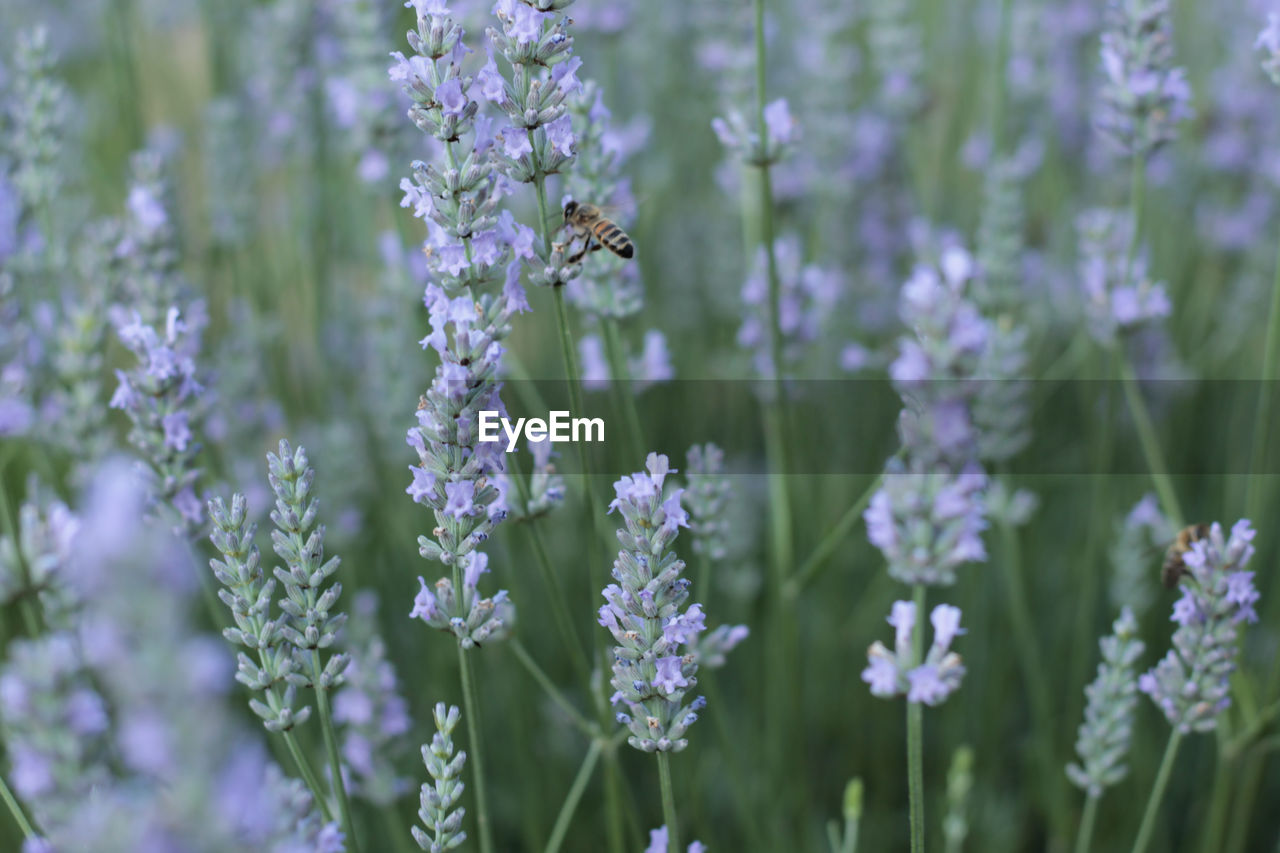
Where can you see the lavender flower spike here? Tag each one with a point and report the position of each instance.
(1143, 96)
(1108, 718)
(708, 497)
(437, 801)
(890, 673)
(643, 612)
(1191, 684)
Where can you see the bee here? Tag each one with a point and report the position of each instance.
(1173, 569)
(589, 221)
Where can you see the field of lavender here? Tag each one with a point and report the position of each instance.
(936, 401)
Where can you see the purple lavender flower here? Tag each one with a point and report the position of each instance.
(161, 396)
(1269, 43)
(651, 677)
(1143, 96)
(658, 842)
(371, 710)
(927, 523)
(896, 673)
(1118, 294)
(807, 296)
(1191, 684)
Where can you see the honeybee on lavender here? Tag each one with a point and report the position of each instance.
(1174, 568)
(589, 222)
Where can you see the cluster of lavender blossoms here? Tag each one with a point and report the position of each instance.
(1143, 96)
(470, 246)
(1191, 684)
(928, 517)
(1118, 293)
(739, 135)
(897, 673)
(1269, 43)
(808, 293)
(659, 842)
(161, 396)
(643, 612)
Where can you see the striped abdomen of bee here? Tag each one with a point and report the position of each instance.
(1174, 567)
(588, 221)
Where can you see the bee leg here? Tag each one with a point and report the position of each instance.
(586, 247)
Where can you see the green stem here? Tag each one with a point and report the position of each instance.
(624, 400)
(1270, 357)
(395, 829)
(1150, 443)
(545, 682)
(816, 561)
(571, 799)
(564, 623)
(738, 777)
(1085, 838)
(28, 831)
(915, 733)
(668, 803)
(335, 760)
(1000, 79)
(1215, 823)
(472, 709)
(613, 801)
(1157, 793)
(1032, 663)
(308, 774)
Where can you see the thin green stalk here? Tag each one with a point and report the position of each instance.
(30, 618)
(1150, 443)
(1085, 838)
(471, 707)
(999, 83)
(1224, 772)
(668, 803)
(1033, 670)
(816, 561)
(624, 400)
(571, 799)
(335, 760)
(747, 816)
(308, 774)
(564, 623)
(915, 733)
(613, 801)
(1157, 793)
(19, 817)
(1270, 358)
(545, 682)
(396, 830)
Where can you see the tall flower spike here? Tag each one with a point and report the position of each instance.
(471, 245)
(890, 673)
(708, 498)
(309, 624)
(1107, 729)
(1191, 684)
(1143, 96)
(161, 396)
(643, 612)
(1143, 532)
(436, 801)
(248, 595)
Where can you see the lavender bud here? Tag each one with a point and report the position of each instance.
(1107, 729)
